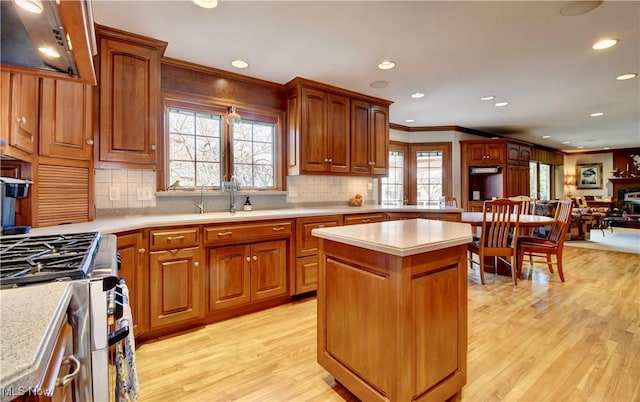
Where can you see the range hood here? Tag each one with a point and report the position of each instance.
(25, 35)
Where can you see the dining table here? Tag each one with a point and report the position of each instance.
(529, 221)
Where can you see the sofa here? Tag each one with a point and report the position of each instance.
(583, 219)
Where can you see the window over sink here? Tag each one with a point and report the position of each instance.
(202, 150)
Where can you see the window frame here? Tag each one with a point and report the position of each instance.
(210, 105)
(410, 167)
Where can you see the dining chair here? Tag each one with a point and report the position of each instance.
(448, 201)
(550, 245)
(527, 204)
(498, 236)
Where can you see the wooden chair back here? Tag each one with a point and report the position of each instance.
(500, 224)
(448, 201)
(527, 204)
(561, 222)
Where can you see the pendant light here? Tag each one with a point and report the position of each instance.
(233, 118)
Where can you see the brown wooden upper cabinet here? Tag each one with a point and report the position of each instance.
(485, 153)
(518, 154)
(65, 119)
(129, 96)
(20, 98)
(335, 131)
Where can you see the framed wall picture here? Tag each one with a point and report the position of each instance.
(589, 175)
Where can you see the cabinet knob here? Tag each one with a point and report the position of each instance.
(24, 120)
(326, 159)
(141, 250)
(153, 147)
(255, 258)
(248, 259)
(18, 119)
(90, 142)
(196, 264)
(330, 160)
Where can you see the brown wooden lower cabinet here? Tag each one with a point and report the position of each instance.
(133, 258)
(241, 274)
(176, 286)
(393, 328)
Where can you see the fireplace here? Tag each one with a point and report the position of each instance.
(629, 199)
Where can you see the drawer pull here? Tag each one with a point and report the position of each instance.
(172, 238)
(366, 220)
(321, 226)
(278, 228)
(225, 233)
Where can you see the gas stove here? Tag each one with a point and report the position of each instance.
(32, 259)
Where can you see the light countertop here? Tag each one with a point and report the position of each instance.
(30, 318)
(400, 238)
(135, 222)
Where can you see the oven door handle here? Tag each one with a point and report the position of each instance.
(119, 334)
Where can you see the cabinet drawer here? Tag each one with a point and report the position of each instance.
(451, 216)
(363, 218)
(174, 238)
(216, 234)
(306, 243)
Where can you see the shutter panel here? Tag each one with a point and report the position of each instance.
(63, 195)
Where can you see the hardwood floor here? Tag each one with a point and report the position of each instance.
(542, 341)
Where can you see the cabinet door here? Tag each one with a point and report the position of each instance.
(513, 153)
(134, 271)
(129, 102)
(65, 120)
(360, 129)
(313, 138)
(379, 140)
(494, 152)
(229, 282)
(338, 122)
(175, 281)
(268, 269)
(475, 154)
(24, 94)
(525, 154)
(306, 274)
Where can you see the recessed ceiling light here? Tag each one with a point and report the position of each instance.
(596, 114)
(566, 142)
(47, 51)
(546, 136)
(578, 7)
(386, 65)
(410, 121)
(32, 6)
(488, 97)
(500, 104)
(239, 64)
(580, 147)
(206, 3)
(605, 44)
(417, 95)
(606, 148)
(379, 84)
(626, 76)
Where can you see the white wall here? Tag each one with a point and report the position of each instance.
(570, 162)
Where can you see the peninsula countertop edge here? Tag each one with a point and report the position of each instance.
(136, 222)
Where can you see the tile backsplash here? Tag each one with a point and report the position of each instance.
(125, 188)
(127, 191)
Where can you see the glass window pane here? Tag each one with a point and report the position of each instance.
(392, 186)
(254, 148)
(429, 177)
(533, 180)
(545, 181)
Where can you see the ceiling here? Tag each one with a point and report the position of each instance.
(454, 52)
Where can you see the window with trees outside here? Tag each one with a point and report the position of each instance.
(203, 150)
(419, 174)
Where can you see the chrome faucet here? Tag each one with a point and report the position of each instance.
(200, 205)
(231, 186)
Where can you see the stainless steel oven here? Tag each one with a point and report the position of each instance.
(89, 261)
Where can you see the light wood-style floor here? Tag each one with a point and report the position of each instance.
(542, 341)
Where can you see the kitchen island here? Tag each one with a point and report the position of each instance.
(392, 308)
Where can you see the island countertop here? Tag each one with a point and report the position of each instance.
(400, 238)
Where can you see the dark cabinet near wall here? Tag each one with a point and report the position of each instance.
(493, 168)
